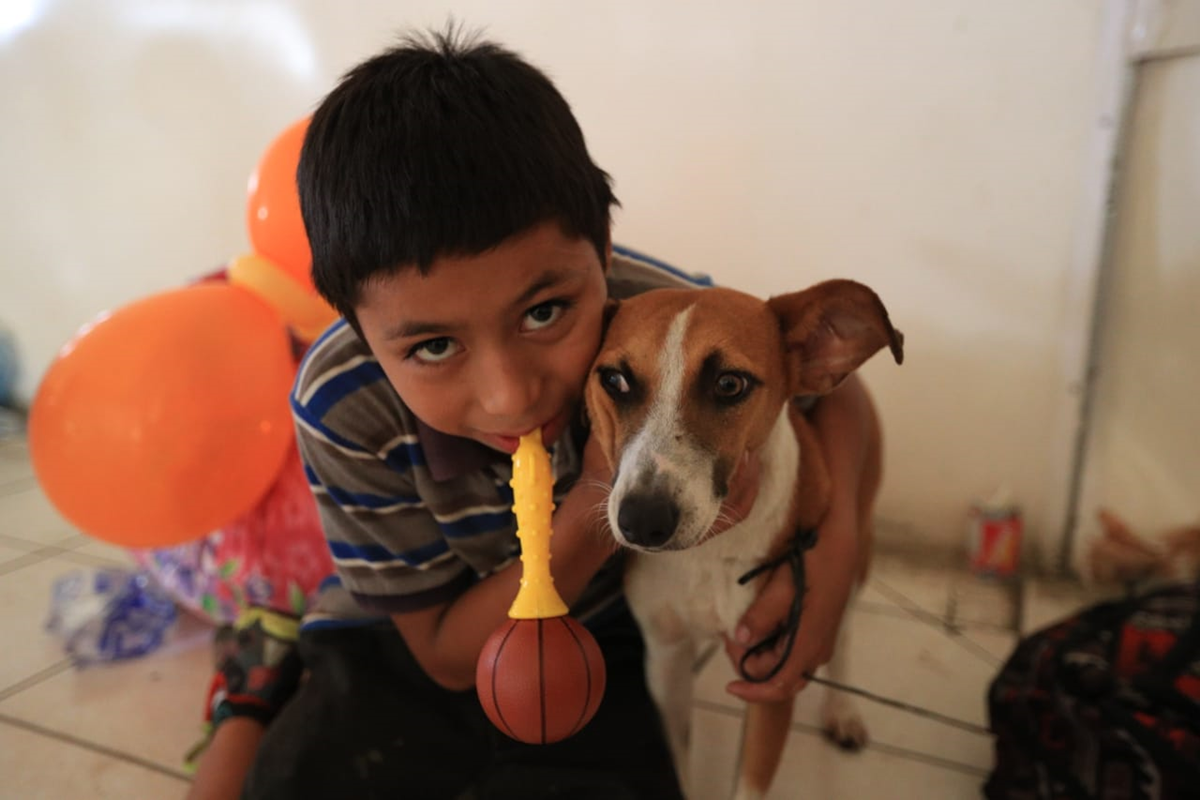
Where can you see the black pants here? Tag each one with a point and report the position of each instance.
(368, 723)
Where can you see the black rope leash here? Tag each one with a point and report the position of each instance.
(803, 541)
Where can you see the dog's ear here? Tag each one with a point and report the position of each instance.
(610, 311)
(829, 330)
(596, 416)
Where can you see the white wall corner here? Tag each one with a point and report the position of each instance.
(1144, 28)
(1083, 305)
(1162, 29)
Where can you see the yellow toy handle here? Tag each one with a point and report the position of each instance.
(533, 503)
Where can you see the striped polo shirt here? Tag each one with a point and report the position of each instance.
(413, 516)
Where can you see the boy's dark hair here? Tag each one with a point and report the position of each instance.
(440, 146)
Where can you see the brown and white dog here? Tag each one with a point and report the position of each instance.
(687, 383)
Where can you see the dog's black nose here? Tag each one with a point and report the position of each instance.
(647, 520)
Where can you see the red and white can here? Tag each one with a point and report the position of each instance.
(994, 535)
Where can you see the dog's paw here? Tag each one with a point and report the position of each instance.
(745, 792)
(843, 725)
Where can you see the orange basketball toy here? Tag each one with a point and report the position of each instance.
(540, 676)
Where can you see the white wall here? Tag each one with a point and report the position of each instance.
(934, 149)
(1144, 451)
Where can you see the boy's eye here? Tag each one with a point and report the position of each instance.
(544, 314)
(434, 350)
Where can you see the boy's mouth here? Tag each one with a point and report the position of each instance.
(506, 443)
(550, 432)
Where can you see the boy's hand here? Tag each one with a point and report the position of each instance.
(258, 668)
(829, 572)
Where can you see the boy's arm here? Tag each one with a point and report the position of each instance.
(444, 615)
(843, 423)
(227, 760)
(446, 639)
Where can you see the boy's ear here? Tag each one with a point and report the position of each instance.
(829, 330)
(607, 252)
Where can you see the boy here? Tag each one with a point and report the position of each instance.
(460, 227)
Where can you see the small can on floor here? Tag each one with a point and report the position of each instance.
(994, 533)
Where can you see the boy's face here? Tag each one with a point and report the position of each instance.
(492, 346)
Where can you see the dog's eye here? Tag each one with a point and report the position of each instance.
(614, 382)
(731, 386)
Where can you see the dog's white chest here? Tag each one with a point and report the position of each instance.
(692, 593)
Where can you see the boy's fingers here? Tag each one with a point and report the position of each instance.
(812, 650)
(789, 680)
(768, 611)
(775, 690)
(757, 664)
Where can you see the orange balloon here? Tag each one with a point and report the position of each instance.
(304, 311)
(273, 206)
(167, 419)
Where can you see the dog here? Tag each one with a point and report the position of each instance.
(686, 383)
(1121, 556)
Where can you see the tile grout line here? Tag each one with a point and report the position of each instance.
(47, 552)
(16, 486)
(38, 553)
(34, 679)
(979, 651)
(952, 632)
(882, 747)
(896, 612)
(21, 544)
(914, 609)
(100, 749)
(33, 546)
(26, 560)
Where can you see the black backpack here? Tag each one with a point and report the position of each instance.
(1104, 705)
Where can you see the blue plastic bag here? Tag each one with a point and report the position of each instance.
(110, 614)
(8, 368)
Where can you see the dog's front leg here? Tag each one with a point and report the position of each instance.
(840, 716)
(669, 679)
(670, 650)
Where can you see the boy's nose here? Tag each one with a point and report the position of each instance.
(509, 390)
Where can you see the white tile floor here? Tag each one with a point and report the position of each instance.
(927, 636)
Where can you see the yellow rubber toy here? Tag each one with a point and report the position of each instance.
(533, 503)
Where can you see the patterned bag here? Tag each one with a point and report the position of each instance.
(274, 556)
(1104, 705)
